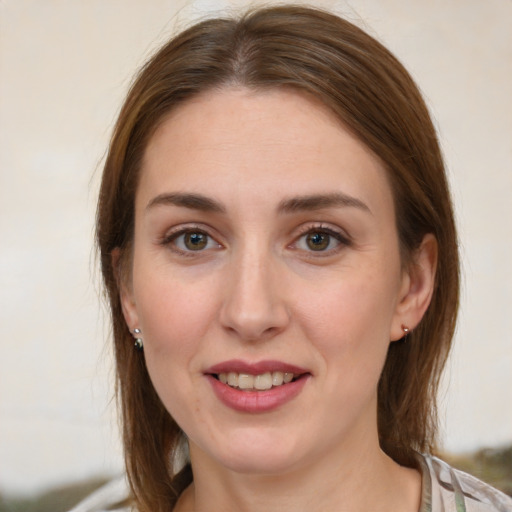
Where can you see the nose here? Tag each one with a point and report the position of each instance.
(254, 307)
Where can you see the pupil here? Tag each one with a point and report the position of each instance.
(195, 241)
(318, 241)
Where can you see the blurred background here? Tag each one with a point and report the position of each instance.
(65, 66)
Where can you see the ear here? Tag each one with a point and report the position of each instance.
(417, 287)
(125, 288)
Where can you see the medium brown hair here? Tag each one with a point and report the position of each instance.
(374, 97)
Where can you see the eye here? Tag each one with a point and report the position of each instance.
(321, 239)
(194, 241)
(318, 241)
(190, 240)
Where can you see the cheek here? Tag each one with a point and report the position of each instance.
(350, 323)
(174, 319)
(174, 315)
(351, 306)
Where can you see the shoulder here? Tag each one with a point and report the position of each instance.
(452, 490)
(112, 497)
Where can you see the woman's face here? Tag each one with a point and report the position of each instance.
(265, 250)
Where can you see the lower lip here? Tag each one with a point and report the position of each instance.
(257, 401)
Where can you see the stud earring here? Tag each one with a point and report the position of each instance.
(405, 330)
(138, 340)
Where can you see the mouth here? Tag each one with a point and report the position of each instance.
(257, 387)
(258, 376)
(259, 382)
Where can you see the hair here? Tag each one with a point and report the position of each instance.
(372, 95)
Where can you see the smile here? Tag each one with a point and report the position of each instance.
(261, 382)
(256, 387)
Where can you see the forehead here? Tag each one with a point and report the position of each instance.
(264, 142)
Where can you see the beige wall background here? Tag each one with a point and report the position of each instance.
(64, 67)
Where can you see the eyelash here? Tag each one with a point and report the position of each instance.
(342, 239)
(169, 240)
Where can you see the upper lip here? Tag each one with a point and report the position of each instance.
(254, 368)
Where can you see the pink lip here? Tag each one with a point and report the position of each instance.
(239, 366)
(256, 401)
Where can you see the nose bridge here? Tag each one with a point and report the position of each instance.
(254, 305)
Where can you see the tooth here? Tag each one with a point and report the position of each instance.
(288, 377)
(263, 382)
(260, 382)
(245, 381)
(277, 378)
(233, 379)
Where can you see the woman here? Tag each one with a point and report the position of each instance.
(276, 233)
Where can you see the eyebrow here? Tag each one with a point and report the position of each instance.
(187, 200)
(321, 201)
(294, 204)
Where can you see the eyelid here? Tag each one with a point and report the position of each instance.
(340, 235)
(343, 238)
(175, 232)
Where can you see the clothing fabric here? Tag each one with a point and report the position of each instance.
(444, 489)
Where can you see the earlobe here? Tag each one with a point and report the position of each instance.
(125, 291)
(417, 287)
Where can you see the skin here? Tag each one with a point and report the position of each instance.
(258, 291)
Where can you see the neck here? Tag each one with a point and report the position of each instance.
(351, 480)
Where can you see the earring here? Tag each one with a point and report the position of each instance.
(405, 330)
(138, 340)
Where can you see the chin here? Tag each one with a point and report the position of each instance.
(257, 454)
(261, 464)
